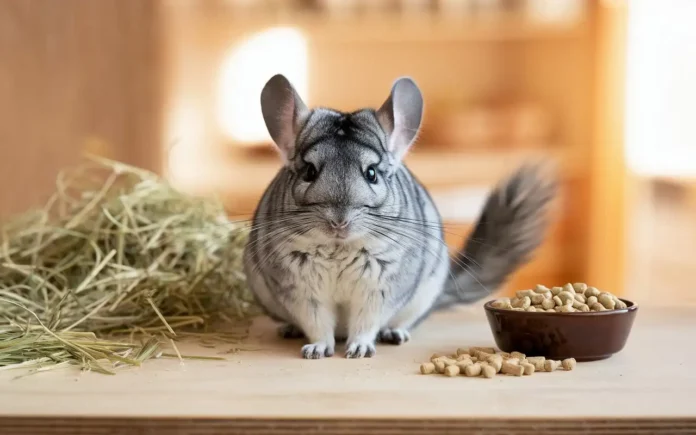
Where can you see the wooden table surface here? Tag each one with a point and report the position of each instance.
(647, 388)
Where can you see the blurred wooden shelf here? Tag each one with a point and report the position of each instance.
(394, 28)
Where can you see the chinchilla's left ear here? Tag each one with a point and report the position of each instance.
(283, 112)
(400, 116)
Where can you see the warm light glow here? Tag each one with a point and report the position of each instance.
(244, 72)
(660, 89)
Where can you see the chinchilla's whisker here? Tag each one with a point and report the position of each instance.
(469, 238)
(455, 260)
(414, 225)
(430, 236)
(265, 239)
(278, 222)
(271, 242)
(396, 243)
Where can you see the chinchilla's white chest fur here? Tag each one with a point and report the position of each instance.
(341, 275)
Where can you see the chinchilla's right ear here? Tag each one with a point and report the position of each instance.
(284, 112)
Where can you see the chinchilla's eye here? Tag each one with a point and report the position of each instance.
(310, 173)
(371, 175)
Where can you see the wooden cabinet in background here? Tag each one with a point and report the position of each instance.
(142, 74)
(561, 77)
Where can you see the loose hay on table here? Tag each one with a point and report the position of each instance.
(117, 250)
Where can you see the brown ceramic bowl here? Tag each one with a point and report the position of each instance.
(583, 336)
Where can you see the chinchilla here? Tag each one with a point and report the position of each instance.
(346, 244)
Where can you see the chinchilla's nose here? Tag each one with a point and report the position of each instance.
(338, 224)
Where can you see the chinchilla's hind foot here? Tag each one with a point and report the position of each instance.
(290, 332)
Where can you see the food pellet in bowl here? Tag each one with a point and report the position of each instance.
(570, 298)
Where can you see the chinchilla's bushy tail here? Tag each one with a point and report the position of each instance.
(512, 225)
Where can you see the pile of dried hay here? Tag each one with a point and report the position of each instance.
(116, 251)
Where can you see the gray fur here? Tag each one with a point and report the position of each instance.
(336, 254)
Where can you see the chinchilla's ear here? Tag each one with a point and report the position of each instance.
(400, 116)
(283, 111)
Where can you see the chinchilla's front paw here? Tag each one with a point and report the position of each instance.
(317, 350)
(360, 349)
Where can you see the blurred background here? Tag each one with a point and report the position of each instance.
(603, 88)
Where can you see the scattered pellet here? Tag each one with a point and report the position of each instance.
(512, 369)
(488, 371)
(462, 351)
(436, 356)
(537, 362)
(427, 368)
(463, 363)
(568, 364)
(472, 370)
(482, 356)
(452, 370)
(551, 365)
(490, 350)
(487, 364)
(528, 368)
